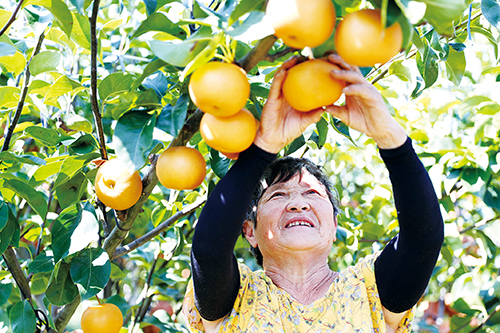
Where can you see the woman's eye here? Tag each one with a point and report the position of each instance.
(312, 192)
(276, 194)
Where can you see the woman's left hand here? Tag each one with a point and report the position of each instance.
(365, 109)
(280, 124)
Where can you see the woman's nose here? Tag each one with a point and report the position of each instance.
(298, 203)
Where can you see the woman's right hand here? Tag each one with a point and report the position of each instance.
(280, 124)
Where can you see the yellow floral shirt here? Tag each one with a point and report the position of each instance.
(351, 304)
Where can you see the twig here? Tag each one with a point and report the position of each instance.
(146, 301)
(279, 54)
(159, 229)
(480, 223)
(497, 309)
(93, 80)
(12, 18)
(24, 93)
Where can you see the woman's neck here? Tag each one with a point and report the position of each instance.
(305, 281)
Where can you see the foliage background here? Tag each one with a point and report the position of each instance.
(87, 80)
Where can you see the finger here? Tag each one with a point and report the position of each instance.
(363, 90)
(339, 112)
(312, 117)
(275, 90)
(289, 63)
(349, 76)
(336, 59)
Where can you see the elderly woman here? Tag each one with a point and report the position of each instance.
(292, 225)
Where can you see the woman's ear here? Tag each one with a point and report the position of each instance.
(249, 232)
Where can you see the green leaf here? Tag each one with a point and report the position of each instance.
(171, 118)
(61, 289)
(39, 283)
(401, 71)
(84, 145)
(7, 49)
(9, 231)
(115, 83)
(159, 22)
(59, 9)
(77, 123)
(5, 291)
(116, 272)
(491, 11)
(43, 263)
(151, 6)
(341, 128)
(72, 190)
(46, 136)
(71, 165)
(62, 86)
(34, 198)
(295, 145)
(158, 82)
(90, 270)
(8, 156)
(219, 164)
(4, 214)
(455, 66)
(442, 13)
(151, 68)
(22, 318)
(373, 229)
(9, 97)
(253, 28)
(133, 137)
(322, 128)
(45, 61)
(492, 197)
(81, 30)
(243, 7)
(428, 65)
(73, 230)
(181, 53)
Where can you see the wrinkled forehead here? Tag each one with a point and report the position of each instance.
(302, 179)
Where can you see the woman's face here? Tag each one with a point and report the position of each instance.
(296, 215)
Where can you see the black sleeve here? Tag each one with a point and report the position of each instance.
(404, 267)
(216, 276)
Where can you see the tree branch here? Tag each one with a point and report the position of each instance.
(257, 54)
(93, 80)
(477, 329)
(63, 317)
(12, 18)
(10, 258)
(20, 105)
(480, 223)
(159, 229)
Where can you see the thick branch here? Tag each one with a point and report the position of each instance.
(93, 80)
(20, 105)
(12, 18)
(65, 315)
(10, 258)
(159, 229)
(257, 54)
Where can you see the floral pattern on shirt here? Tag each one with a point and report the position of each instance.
(352, 304)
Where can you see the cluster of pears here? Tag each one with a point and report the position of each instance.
(360, 39)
